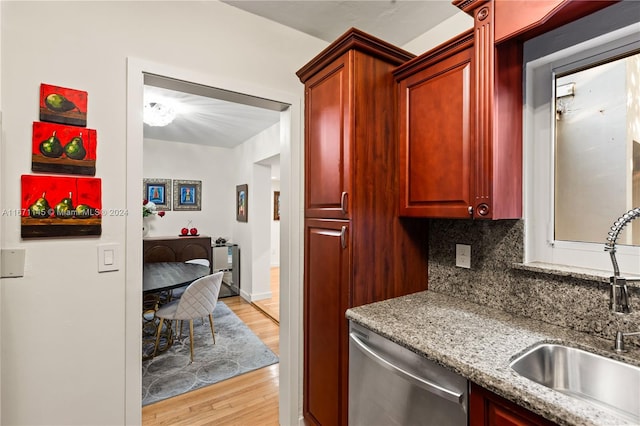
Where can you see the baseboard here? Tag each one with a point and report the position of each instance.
(260, 296)
(254, 297)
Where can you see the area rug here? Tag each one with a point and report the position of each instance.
(237, 351)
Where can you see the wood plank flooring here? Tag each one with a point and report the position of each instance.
(271, 306)
(248, 399)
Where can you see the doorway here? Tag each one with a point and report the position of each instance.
(290, 233)
(270, 305)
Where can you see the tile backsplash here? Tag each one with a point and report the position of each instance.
(575, 303)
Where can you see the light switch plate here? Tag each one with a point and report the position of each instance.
(108, 257)
(12, 261)
(463, 255)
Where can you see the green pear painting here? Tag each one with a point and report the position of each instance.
(63, 149)
(57, 206)
(63, 105)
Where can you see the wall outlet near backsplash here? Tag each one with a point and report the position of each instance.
(463, 255)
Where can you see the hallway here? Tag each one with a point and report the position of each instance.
(271, 306)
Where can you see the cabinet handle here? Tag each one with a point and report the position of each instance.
(343, 237)
(470, 210)
(343, 203)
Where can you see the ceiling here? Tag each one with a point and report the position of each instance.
(215, 117)
(395, 21)
(206, 120)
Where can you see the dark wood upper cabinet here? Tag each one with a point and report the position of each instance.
(460, 112)
(436, 95)
(459, 108)
(523, 19)
(328, 142)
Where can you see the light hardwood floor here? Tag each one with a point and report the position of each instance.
(271, 306)
(248, 399)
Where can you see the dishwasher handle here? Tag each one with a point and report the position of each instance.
(431, 387)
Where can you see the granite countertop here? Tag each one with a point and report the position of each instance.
(478, 343)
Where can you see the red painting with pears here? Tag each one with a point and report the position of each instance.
(56, 148)
(56, 206)
(63, 105)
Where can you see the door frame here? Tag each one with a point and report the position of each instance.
(291, 233)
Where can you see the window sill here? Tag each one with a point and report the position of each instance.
(596, 275)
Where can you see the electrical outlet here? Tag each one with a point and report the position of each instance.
(463, 255)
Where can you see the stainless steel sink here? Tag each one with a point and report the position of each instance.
(602, 381)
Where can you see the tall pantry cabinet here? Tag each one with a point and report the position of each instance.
(357, 249)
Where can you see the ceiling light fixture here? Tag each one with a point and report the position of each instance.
(157, 114)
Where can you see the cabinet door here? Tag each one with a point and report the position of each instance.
(436, 138)
(489, 409)
(328, 139)
(326, 298)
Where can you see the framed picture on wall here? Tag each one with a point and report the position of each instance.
(158, 191)
(242, 202)
(60, 206)
(276, 205)
(187, 195)
(63, 149)
(63, 105)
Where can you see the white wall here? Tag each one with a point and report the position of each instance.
(254, 236)
(446, 30)
(211, 165)
(63, 324)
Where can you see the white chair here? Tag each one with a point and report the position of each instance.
(197, 301)
(177, 293)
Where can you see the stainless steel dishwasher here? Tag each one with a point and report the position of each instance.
(390, 385)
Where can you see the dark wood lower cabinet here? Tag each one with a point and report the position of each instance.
(326, 300)
(488, 409)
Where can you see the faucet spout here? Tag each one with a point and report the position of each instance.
(619, 296)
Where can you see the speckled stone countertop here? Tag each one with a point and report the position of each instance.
(478, 343)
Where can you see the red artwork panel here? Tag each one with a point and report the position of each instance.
(63, 149)
(56, 206)
(63, 105)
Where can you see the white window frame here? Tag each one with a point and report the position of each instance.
(538, 131)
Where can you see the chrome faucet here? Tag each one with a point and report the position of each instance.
(619, 293)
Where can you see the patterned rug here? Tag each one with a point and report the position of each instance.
(237, 351)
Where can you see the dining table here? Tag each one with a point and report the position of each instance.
(164, 276)
(159, 280)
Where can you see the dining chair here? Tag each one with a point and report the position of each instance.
(198, 300)
(176, 293)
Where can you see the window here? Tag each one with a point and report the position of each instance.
(581, 168)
